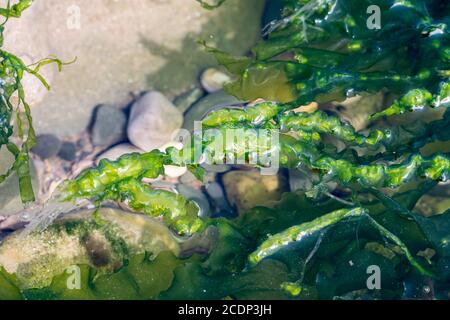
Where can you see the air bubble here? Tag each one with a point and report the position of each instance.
(350, 93)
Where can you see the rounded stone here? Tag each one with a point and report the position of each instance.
(153, 121)
(217, 168)
(186, 100)
(47, 146)
(213, 80)
(204, 105)
(68, 151)
(216, 193)
(109, 126)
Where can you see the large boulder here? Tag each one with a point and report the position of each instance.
(78, 239)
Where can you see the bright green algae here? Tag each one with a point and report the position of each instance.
(293, 152)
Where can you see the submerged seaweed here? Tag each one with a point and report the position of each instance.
(313, 244)
(12, 69)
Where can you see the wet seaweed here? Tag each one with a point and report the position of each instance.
(12, 69)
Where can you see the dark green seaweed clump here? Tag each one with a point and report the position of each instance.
(324, 50)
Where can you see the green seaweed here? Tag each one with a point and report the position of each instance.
(319, 50)
(315, 73)
(323, 50)
(12, 69)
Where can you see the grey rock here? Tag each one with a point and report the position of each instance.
(109, 126)
(203, 106)
(188, 178)
(217, 168)
(153, 121)
(214, 190)
(442, 189)
(198, 197)
(165, 185)
(213, 80)
(217, 194)
(210, 177)
(299, 180)
(37, 257)
(68, 151)
(47, 146)
(186, 100)
(191, 180)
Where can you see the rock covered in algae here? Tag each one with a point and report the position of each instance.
(102, 240)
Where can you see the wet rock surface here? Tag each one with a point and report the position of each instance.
(153, 121)
(77, 239)
(249, 189)
(214, 80)
(121, 47)
(187, 99)
(68, 151)
(47, 146)
(218, 168)
(204, 105)
(109, 126)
